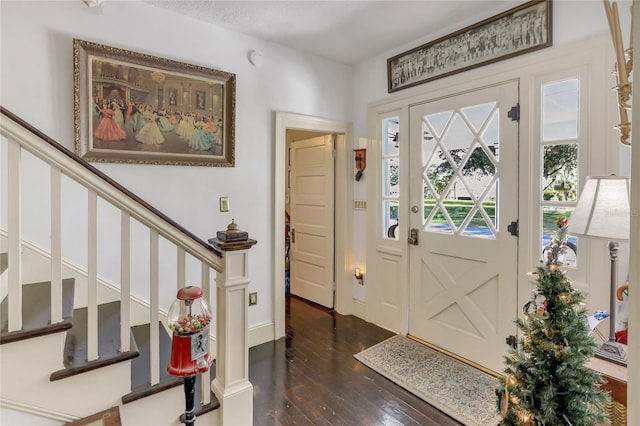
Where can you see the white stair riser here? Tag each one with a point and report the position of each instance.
(84, 394)
(34, 360)
(161, 409)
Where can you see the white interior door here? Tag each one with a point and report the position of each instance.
(464, 194)
(312, 219)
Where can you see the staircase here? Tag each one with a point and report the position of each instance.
(74, 352)
(73, 343)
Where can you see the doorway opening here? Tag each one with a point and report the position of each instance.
(296, 125)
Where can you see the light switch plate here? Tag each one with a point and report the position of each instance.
(224, 204)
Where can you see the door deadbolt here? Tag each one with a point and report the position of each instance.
(414, 209)
(413, 236)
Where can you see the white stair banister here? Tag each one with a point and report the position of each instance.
(229, 261)
(110, 191)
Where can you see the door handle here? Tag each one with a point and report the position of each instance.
(293, 236)
(413, 236)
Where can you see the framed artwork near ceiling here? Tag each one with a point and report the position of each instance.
(517, 31)
(132, 107)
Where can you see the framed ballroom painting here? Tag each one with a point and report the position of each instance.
(131, 107)
(517, 31)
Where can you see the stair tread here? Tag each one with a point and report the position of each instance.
(36, 311)
(75, 348)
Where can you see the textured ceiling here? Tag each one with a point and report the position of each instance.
(344, 31)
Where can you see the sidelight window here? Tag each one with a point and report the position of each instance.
(560, 124)
(390, 177)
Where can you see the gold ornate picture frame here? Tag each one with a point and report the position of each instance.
(517, 31)
(132, 107)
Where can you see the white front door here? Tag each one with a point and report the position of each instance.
(312, 219)
(464, 194)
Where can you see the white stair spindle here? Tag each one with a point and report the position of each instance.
(154, 293)
(125, 282)
(14, 273)
(56, 245)
(181, 267)
(205, 387)
(92, 277)
(205, 276)
(206, 292)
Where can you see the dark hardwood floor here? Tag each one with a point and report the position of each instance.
(310, 377)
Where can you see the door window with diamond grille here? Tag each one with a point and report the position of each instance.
(460, 150)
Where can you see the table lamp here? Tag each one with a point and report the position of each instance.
(603, 213)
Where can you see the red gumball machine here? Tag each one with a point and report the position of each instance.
(189, 319)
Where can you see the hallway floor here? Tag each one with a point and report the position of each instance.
(311, 378)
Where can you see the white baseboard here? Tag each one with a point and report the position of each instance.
(261, 333)
(360, 309)
(30, 414)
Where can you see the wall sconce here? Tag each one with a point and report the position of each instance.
(359, 275)
(361, 162)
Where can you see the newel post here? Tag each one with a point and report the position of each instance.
(231, 384)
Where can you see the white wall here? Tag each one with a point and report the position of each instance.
(37, 85)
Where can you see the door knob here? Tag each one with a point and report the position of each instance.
(414, 209)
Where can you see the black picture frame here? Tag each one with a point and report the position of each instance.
(517, 31)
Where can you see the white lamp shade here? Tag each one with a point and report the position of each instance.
(603, 209)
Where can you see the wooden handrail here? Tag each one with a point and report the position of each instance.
(106, 178)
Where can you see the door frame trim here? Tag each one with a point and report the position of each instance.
(343, 220)
(526, 69)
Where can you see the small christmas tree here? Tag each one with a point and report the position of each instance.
(545, 381)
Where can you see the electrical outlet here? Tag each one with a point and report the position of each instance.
(253, 298)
